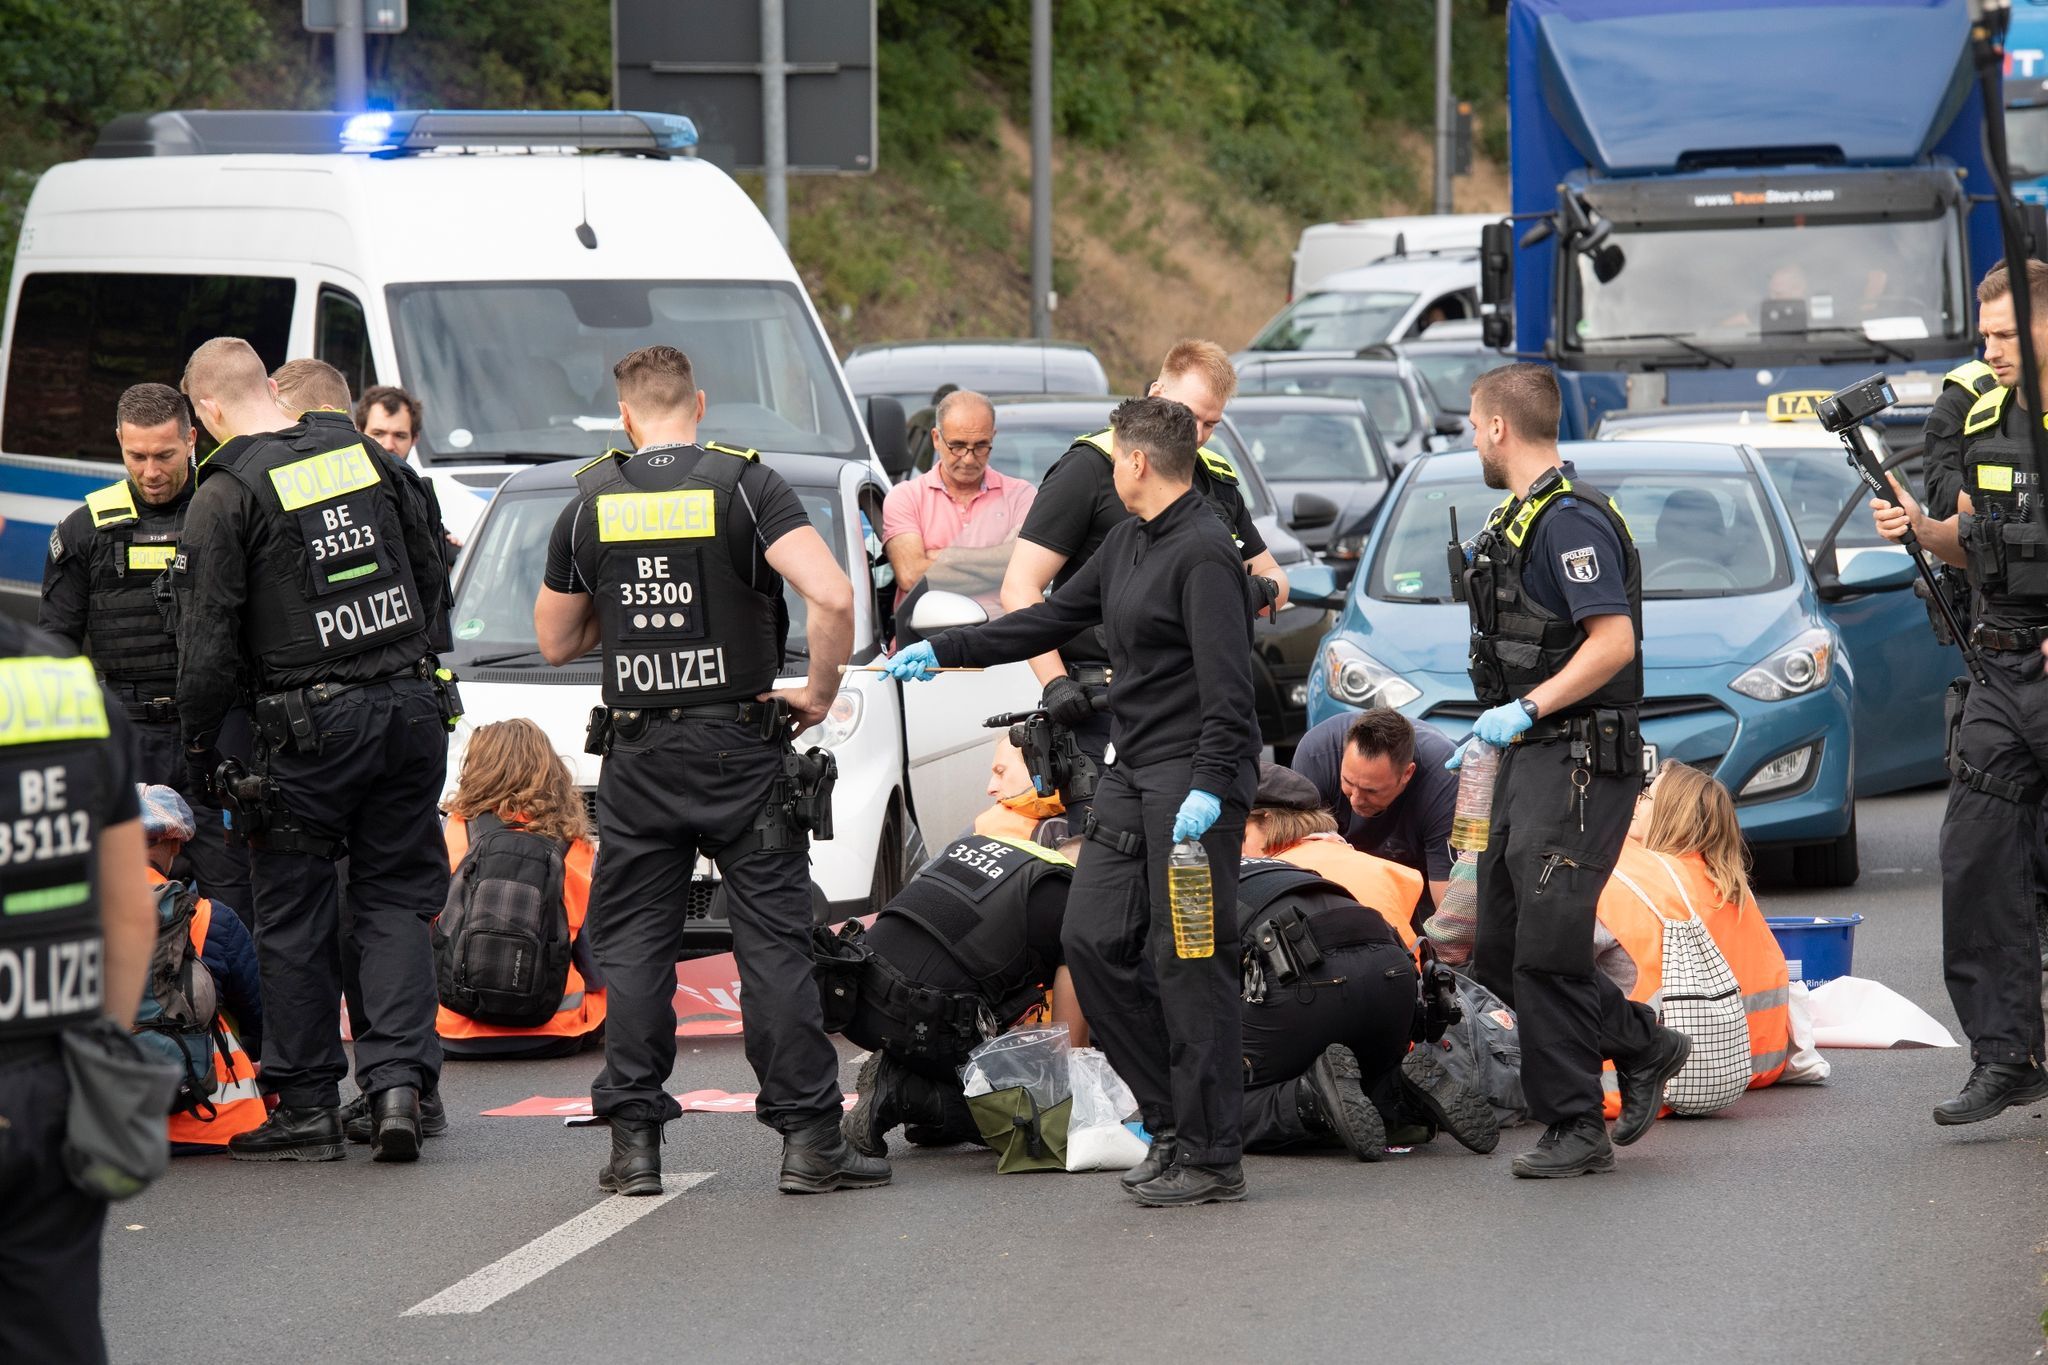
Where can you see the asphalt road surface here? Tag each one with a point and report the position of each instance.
(1803, 1225)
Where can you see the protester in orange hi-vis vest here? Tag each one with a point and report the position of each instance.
(511, 771)
(229, 956)
(1292, 824)
(1684, 857)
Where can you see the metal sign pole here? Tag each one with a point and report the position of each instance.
(1041, 169)
(1443, 106)
(349, 80)
(775, 117)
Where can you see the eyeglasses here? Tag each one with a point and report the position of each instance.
(1643, 798)
(981, 448)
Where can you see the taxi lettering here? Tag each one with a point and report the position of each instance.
(680, 514)
(676, 671)
(322, 477)
(49, 980)
(379, 611)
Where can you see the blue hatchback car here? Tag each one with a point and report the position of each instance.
(1745, 676)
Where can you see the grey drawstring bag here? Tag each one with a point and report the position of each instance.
(115, 1139)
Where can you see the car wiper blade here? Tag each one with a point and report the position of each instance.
(508, 656)
(1676, 339)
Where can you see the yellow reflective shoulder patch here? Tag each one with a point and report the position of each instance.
(151, 558)
(1101, 440)
(1036, 850)
(111, 505)
(1218, 465)
(318, 478)
(45, 700)
(748, 454)
(1994, 478)
(678, 514)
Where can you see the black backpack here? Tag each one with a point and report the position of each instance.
(178, 1020)
(501, 944)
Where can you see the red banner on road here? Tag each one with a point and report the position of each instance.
(692, 1101)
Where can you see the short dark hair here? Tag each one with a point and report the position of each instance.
(657, 377)
(1524, 395)
(1381, 733)
(152, 405)
(1163, 429)
(386, 398)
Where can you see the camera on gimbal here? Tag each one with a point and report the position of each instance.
(1856, 404)
(1052, 755)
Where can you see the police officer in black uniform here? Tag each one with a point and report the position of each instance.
(1077, 505)
(1169, 589)
(302, 561)
(965, 948)
(672, 561)
(75, 945)
(1555, 592)
(106, 591)
(1998, 737)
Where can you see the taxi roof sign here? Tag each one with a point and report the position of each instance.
(1794, 405)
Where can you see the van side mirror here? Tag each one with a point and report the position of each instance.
(889, 433)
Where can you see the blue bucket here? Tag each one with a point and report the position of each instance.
(1817, 948)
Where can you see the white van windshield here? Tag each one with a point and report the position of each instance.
(525, 367)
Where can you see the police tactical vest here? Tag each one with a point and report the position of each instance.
(333, 579)
(125, 633)
(1516, 642)
(1333, 913)
(680, 625)
(972, 900)
(53, 776)
(2008, 551)
(1215, 479)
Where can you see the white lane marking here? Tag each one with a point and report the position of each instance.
(553, 1248)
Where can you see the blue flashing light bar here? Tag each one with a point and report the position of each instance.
(397, 132)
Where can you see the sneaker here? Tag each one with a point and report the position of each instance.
(292, 1135)
(1184, 1184)
(1464, 1113)
(1338, 1098)
(1993, 1088)
(1579, 1147)
(1642, 1083)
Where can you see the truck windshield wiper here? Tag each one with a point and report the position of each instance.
(1884, 348)
(1676, 339)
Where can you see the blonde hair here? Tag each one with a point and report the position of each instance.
(1204, 358)
(226, 370)
(510, 769)
(1286, 826)
(1693, 813)
(304, 385)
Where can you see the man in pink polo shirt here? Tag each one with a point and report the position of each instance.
(960, 505)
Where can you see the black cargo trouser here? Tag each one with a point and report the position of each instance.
(1540, 880)
(680, 786)
(1990, 940)
(374, 786)
(50, 1232)
(1169, 1025)
(1363, 998)
(222, 871)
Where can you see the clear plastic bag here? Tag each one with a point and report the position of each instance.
(1035, 1059)
(1097, 1139)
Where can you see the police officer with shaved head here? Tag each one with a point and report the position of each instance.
(303, 563)
(671, 561)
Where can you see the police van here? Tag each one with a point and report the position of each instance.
(494, 263)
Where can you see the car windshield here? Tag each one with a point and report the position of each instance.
(1336, 321)
(1449, 375)
(1027, 443)
(525, 368)
(1699, 535)
(1384, 395)
(493, 614)
(2026, 140)
(1308, 445)
(1822, 287)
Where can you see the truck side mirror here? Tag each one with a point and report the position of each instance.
(889, 433)
(1497, 263)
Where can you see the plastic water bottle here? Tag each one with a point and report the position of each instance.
(1473, 817)
(1188, 891)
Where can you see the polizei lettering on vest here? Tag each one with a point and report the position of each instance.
(380, 611)
(49, 980)
(679, 514)
(676, 671)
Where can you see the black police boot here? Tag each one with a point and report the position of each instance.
(292, 1135)
(1158, 1158)
(355, 1116)
(879, 1106)
(1993, 1087)
(1184, 1184)
(1577, 1147)
(817, 1159)
(395, 1124)
(1330, 1099)
(635, 1167)
(1642, 1083)
(1462, 1112)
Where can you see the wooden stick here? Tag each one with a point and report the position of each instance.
(877, 668)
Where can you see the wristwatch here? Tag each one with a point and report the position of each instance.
(1530, 707)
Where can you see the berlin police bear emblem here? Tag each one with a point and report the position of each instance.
(1581, 565)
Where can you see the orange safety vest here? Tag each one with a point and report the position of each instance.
(1678, 886)
(1388, 887)
(581, 1010)
(237, 1103)
(1000, 822)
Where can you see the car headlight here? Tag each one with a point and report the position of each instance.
(839, 724)
(1795, 670)
(1786, 770)
(1346, 547)
(1357, 679)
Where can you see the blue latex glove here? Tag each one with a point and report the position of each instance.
(1499, 726)
(1457, 758)
(915, 663)
(1197, 813)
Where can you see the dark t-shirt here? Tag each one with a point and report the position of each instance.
(1575, 564)
(1416, 830)
(764, 509)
